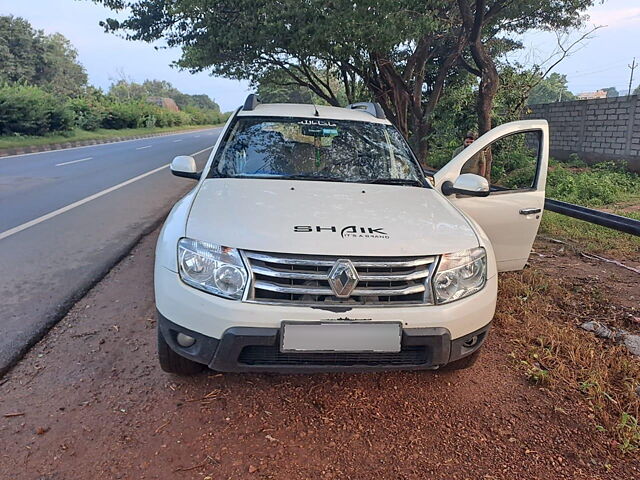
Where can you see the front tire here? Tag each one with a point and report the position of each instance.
(171, 362)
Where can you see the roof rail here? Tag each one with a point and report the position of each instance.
(372, 108)
(251, 102)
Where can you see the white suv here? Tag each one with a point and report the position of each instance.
(314, 242)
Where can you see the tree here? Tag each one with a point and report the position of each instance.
(342, 42)
(278, 87)
(637, 90)
(611, 92)
(30, 56)
(204, 102)
(125, 89)
(404, 52)
(551, 89)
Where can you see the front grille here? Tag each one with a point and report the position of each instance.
(303, 280)
(271, 355)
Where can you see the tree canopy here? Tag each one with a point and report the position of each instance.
(124, 90)
(611, 92)
(404, 53)
(48, 61)
(551, 89)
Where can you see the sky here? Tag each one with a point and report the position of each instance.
(599, 63)
(603, 60)
(107, 57)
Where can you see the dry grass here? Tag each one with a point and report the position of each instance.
(593, 238)
(541, 316)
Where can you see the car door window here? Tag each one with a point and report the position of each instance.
(514, 161)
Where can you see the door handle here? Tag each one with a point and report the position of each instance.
(530, 211)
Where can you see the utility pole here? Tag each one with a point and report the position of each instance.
(632, 67)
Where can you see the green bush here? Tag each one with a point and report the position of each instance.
(27, 110)
(601, 185)
(89, 113)
(122, 115)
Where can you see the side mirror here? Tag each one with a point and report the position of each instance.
(185, 166)
(467, 184)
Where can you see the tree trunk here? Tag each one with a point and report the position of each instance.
(418, 139)
(489, 85)
(473, 23)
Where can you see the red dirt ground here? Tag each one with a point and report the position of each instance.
(91, 402)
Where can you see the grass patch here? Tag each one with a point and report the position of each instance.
(592, 238)
(540, 316)
(16, 141)
(605, 186)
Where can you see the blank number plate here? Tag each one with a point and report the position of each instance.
(341, 337)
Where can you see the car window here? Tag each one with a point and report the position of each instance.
(302, 147)
(514, 160)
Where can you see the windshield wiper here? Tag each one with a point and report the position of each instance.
(320, 178)
(398, 181)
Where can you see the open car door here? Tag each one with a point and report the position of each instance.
(510, 211)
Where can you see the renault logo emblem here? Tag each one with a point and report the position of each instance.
(343, 278)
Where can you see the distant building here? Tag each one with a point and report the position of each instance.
(164, 102)
(592, 95)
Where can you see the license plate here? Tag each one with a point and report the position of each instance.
(341, 337)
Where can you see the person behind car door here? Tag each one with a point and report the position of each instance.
(476, 164)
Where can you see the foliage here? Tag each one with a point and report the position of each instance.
(591, 237)
(125, 90)
(125, 115)
(32, 111)
(533, 313)
(403, 52)
(30, 56)
(611, 92)
(88, 113)
(43, 90)
(603, 184)
(452, 118)
(277, 87)
(455, 114)
(551, 89)
(29, 110)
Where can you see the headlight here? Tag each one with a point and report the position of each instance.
(212, 268)
(460, 274)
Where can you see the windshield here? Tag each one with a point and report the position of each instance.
(314, 149)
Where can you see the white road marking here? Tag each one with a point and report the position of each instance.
(6, 157)
(179, 140)
(73, 161)
(71, 206)
(142, 148)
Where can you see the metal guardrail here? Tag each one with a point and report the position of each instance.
(609, 220)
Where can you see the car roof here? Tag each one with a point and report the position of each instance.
(308, 111)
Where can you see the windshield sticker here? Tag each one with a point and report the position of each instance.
(320, 123)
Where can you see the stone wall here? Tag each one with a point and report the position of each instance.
(596, 130)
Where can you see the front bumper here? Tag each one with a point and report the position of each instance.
(212, 316)
(255, 349)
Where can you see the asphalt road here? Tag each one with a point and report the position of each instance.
(67, 216)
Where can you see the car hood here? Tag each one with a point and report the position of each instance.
(327, 218)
